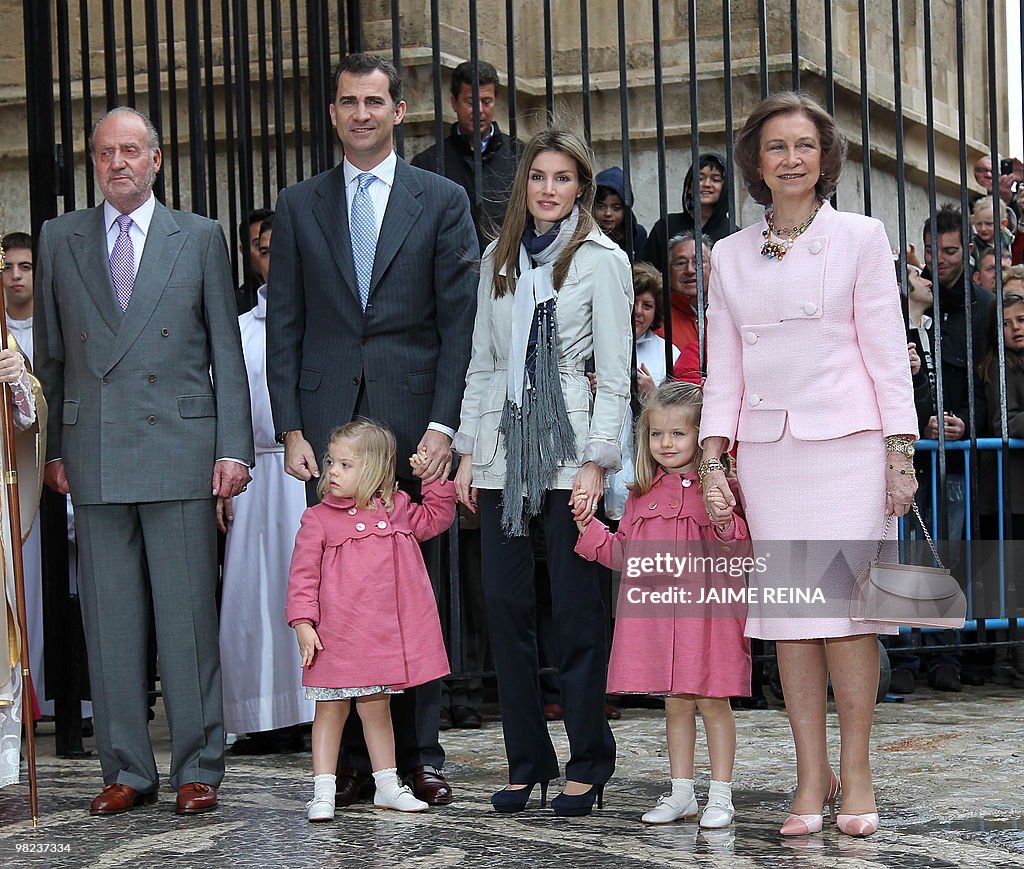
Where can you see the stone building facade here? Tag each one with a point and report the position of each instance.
(602, 60)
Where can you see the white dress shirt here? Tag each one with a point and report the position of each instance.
(137, 232)
(380, 190)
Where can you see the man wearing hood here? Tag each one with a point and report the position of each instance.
(613, 211)
(714, 208)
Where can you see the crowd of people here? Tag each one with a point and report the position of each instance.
(311, 414)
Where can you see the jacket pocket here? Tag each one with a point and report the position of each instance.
(485, 446)
(69, 415)
(309, 379)
(196, 406)
(421, 382)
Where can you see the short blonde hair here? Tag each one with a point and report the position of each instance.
(378, 448)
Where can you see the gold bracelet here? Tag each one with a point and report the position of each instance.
(900, 444)
(709, 466)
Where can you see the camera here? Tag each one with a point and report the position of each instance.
(1006, 166)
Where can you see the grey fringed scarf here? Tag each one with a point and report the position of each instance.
(538, 436)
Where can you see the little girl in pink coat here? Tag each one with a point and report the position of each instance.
(362, 606)
(676, 632)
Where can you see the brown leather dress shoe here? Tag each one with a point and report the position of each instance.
(611, 712)
(351, 786)
(195, 798)
(114, 799)
(553, 711)
(429, 784)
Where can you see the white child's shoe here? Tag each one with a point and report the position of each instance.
(392, 794)
(675, 806)
(321, 807)
(719, 810)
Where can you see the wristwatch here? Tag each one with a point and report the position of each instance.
(707, 466)
(900, 444)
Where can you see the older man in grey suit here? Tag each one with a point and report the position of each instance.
(374, 296)
(135, 312)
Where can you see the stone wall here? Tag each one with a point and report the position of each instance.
(604, 90)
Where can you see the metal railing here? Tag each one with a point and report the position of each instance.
(239, 91)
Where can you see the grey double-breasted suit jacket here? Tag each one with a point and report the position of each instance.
(144, 402)
(410, 349)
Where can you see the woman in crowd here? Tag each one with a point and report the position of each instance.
(648, 315)
(613, 211)
(809, 373)
(714, 210)
(1005, 324)
(554, 291)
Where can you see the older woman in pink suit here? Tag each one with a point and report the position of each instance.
(808, 373)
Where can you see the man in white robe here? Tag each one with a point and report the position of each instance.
(260, 661)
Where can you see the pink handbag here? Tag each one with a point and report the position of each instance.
(908, 595)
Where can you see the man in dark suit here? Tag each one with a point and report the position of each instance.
(135, 309)
(373, 270)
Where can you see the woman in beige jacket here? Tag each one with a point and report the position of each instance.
(554, 292)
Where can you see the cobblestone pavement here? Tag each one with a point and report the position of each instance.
(947, 766)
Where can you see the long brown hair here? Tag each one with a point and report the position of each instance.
(994, 330)
(506, 252)
(377, 478)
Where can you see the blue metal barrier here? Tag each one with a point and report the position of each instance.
(985, 444)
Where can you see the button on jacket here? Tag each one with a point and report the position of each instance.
(815, 341)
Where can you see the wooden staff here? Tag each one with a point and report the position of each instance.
(14, 512)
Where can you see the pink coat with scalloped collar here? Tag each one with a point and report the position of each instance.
(358, 576)
(691, 649)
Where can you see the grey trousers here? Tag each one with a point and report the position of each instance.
(160, 556)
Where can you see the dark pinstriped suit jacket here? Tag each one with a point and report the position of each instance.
(410, 349)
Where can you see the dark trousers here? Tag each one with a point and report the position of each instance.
(578, 614)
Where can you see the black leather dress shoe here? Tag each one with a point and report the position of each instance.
(429, 784)
(466, 717)
(352, 785)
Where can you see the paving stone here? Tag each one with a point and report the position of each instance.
(947, 770)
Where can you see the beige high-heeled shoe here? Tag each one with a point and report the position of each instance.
(858, 825)
(802, 825)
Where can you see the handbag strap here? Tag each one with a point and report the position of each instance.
(924, 528)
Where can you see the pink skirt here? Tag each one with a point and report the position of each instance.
(817, 510)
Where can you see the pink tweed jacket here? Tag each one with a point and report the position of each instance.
(816, 339)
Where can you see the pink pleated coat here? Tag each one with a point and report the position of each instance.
(357, 575)
(682, 648)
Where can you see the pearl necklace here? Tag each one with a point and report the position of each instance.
(778, 249)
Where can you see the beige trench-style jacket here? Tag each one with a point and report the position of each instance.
(594, 313)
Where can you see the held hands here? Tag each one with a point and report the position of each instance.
(12, 365)
(436, 448)
(419, 462)
(309, 642)
(900, 484)
(720, 511)
(299, 458)
(587, 491)
(719, 501)
(465, 491)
